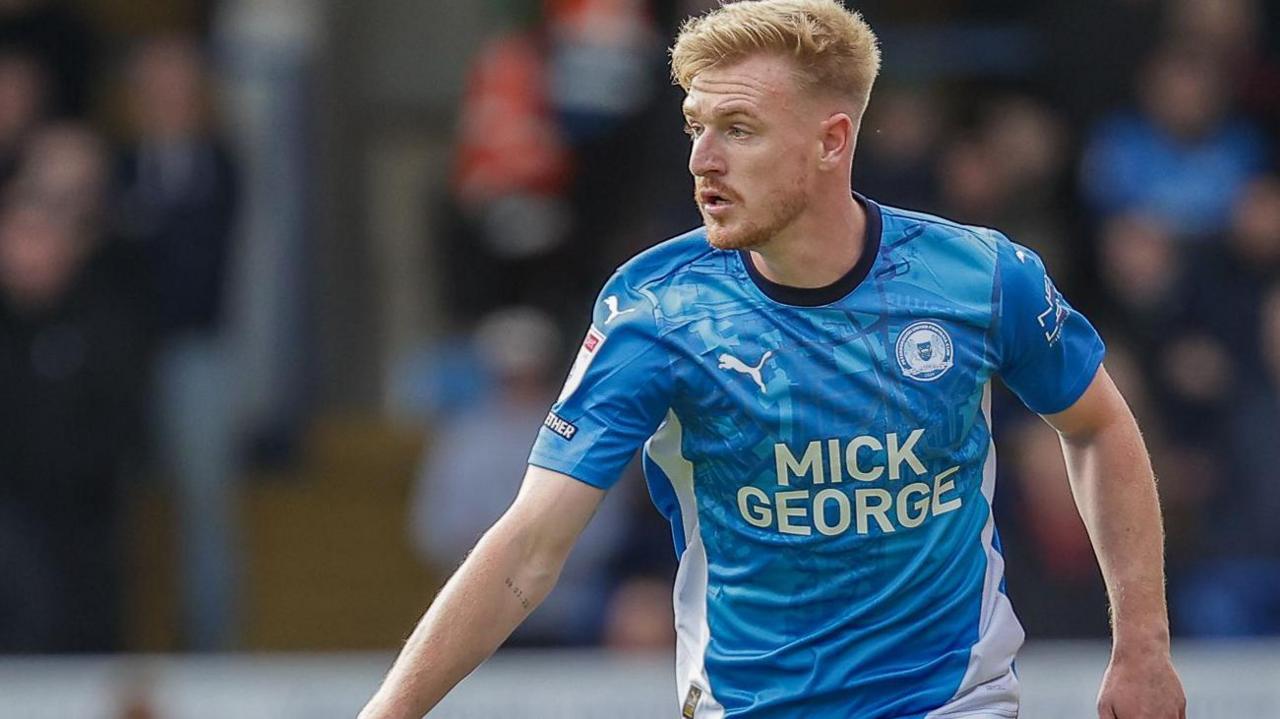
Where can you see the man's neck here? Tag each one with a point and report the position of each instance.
(818, 248)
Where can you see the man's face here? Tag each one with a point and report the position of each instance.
(754, 137)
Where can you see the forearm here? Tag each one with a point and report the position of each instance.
(498, 585)
(1115, 490)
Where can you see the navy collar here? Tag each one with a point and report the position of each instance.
(818, 296)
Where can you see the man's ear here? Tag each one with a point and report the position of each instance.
(838, 135)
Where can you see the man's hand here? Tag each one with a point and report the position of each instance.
(1141, 687)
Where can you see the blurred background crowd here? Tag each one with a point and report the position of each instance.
(286, 290)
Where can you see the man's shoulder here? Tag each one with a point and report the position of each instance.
(671, 258)
(902, 226)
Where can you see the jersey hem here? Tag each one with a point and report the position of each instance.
(979, 714)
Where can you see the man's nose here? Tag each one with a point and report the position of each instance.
(705, 157)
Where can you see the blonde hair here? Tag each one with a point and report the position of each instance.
(834, 49)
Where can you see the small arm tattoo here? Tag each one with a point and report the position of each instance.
(518, 592)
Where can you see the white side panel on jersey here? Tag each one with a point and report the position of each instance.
(989, 683)
(692, 632)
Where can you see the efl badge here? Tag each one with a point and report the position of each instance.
(924, 351)
(590, 346)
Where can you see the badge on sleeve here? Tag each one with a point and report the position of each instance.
(591, 345)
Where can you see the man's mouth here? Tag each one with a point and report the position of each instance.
(712, 199)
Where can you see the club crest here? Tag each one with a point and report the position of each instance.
(924, 351)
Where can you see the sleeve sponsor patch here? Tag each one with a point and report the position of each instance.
(1051, 319)
(591, 345)
(560, 425)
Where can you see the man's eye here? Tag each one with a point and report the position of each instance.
(738, 132)
(692, 131)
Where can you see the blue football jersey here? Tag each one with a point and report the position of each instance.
(826, 461)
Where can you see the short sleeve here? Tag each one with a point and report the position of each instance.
(616, 394)
(1049, 353)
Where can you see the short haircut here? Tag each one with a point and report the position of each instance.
(834, 49)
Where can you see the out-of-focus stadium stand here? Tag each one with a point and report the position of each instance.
(246, 246)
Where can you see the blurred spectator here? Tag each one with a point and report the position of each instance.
(898, 143)
(512, 176)
(178, 186)
(70, 373)
(598, 62)
(1226, 29)
(178, 205)
(1141, 276)
(22, 105)
(1006, 171)
(1225, 293)
(1233, 32)
(475, 463)
(1198, 369)
(1182, 157)
(66, 163)
(1026, 144)
(973, 189)
(53, 34)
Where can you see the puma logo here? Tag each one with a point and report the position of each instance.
(728, 361)
(612, 303)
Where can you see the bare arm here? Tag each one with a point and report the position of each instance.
(511, 570)
(1115, 491)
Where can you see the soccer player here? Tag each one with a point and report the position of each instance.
(809, 375)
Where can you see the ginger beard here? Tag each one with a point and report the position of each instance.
(742, 231)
